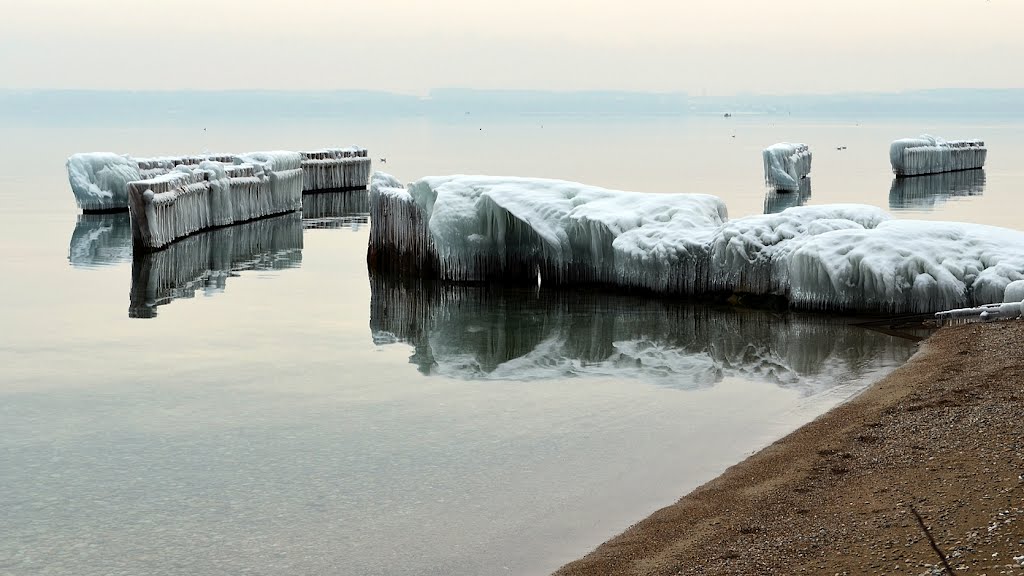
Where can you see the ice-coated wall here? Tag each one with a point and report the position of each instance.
(335, 169)
(195, 197)
(930, 155)
(832, 257)
(99, 180)
(785, 165)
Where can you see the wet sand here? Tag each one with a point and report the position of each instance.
(943, 434)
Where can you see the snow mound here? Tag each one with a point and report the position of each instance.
(930, 155)
(785, 164)
(99, 180)
(905, 266)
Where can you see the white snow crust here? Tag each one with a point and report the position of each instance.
(785, 164)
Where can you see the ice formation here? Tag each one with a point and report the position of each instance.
(206, 260)
(335, 169)
(100, 240)
(785, 164)
(839, 257)
(482, 333)
(476, 228)
(931, 155)
(924, 192)
(195, 197)
(100, 180)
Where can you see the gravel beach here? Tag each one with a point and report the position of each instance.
(943, 434)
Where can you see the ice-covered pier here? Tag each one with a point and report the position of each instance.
(931, 155)
(99, 180)
(834, 257)
(785, 165)
(193, 198)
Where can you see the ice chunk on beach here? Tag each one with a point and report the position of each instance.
(785, 164)
(100, 180)
(930, 155)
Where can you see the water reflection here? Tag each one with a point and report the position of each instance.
(481, 333)
(775, 201)
(336, 209)
(206, 260)
(100, 240)
(928, 191)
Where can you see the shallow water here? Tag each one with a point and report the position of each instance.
(250, 401)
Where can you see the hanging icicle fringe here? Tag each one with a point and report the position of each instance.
(931, 155)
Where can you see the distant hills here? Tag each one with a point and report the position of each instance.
(456, 102)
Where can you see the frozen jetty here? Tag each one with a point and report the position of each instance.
(190, 199)
(203, 262)
(335, 169)
(835, 257)
(931, 155)
(481, 333)
(99, 180)
(785, 165)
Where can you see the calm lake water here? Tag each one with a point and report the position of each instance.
(249, 401)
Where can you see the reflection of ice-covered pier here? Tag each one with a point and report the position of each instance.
(204, 261)
(100, 240)
(926, 191)
(776, 201)
(349, 209)
(931, 155)
(482, 333)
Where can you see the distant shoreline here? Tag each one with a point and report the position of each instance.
(941, 433)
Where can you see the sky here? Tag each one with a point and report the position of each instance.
(710, 47)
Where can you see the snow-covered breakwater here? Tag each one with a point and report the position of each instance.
(931, 155)
(99, 180)
(190, 199)
(204, 261)
(785, 165)
(833, 257)
(335, 169)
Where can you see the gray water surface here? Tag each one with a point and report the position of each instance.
(250, 401)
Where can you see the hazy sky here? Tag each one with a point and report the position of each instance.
(711, 46)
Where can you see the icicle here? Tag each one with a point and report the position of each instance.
(335, 169)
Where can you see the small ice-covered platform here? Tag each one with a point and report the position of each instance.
(930, 155)
(99, 180)
(483, 229)
(786, 165)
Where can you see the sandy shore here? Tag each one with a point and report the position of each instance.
(944, 434)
